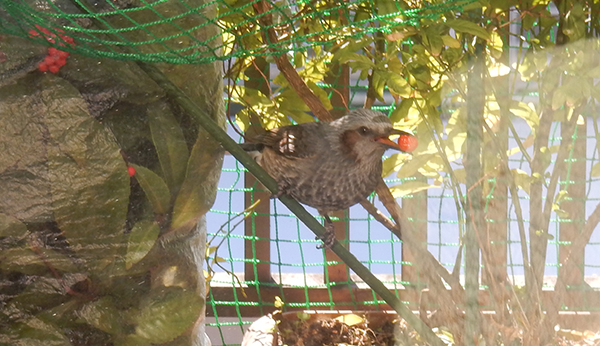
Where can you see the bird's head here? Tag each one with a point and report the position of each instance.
(364, 133)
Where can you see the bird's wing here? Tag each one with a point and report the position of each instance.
(294, 141)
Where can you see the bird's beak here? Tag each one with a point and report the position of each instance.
(388, 142)
(400, 132)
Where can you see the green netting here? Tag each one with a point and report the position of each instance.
(174, 31)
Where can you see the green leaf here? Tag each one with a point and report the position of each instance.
(561, 213)
(559, 97)
(468, 27)
(154, 187)
(356, 61)
(378, 82)
(320, 93)
(412, 166)
(103, 315)
(401, 111)
(523, 111)
(561, 196)
(522, 179)
(450, 41)
(35, 332)
(12, 227)
(455, 143)
(387, 6)
(198, 191)
(141, 240)
(166, 314)
(26, 260)
(393, 163)
(45, 292)
(170, 144)
(436, 43)
(398, 85)
(350, 319)
(410, 187)
(89, 183)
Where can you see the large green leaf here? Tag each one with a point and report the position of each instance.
(468, 27)
(155, 189)
(24, 184)
(46, 292)
(35, 332)
(103, 314)
(88, 177)
(412, 166)
(198, 191)
(170, 144)
(166, 314)
(141, 239)
(35, 262)
(12, 227)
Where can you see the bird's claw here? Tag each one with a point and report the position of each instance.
(328, 237)
(281, 189)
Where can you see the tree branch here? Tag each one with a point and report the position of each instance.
(284, 65)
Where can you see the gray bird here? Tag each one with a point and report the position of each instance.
(327, 165)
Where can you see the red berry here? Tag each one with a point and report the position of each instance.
(407, 143)
(42, 66)
(131, 171)
(61, 62)
(53, 68)
(52, 51)
(49, 60)
(42, 29)
(63, 54)
(67, 39)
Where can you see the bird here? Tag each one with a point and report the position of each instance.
(329, 166)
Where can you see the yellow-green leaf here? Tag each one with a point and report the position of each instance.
(521, 179)
(398, 85)
(141, 239)
(170, 144)
(350, 319)
(154, 187)
(410, 187)
(197, 193)
(12, 227)
(468, 27)
(103, 314)
(596, 170)
(392, 163)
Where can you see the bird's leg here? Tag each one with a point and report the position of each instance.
(282, 188)
(329, 237)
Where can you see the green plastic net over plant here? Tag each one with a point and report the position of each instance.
(173, 31)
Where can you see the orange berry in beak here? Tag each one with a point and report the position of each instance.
(407, 143)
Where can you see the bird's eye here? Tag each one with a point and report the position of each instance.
(363, 130)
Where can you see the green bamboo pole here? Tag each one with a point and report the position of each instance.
(234, 149)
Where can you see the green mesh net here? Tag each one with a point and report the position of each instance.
(174, 31)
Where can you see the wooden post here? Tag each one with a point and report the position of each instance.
(575, 207)
(416, 209)
(494, 235)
